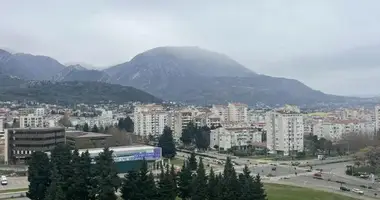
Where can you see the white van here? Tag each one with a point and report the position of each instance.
(4, 180)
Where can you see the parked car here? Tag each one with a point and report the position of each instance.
(357, 191)
(344, 188)
(4, 180)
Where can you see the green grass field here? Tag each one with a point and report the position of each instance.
(286, 192)
(13, 190)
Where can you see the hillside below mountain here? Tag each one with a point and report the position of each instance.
(69, 92)
(79, 73)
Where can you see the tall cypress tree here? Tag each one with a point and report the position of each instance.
(213, 186)
(192, 161)
(106, 180)
(230, 184)
(166, 191)
(55, 191)
(146, 185)
(184, 182)
(61, 157)
(95, 129)
(174, 178)
(166, 142)
(86, 128)
(199, 184)
(38, 175)
(246, 185)
(81, 164)
(258, 188)
(129, 189)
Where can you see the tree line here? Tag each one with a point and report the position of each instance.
(124, 124)
(68, 175)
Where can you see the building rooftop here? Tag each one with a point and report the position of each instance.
(37, 129)
(81, 134)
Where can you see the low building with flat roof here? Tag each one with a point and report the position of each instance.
(129, 158)
(20, 143)
(84, 140)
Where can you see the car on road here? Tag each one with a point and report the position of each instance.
(344, 188)
(357, 191)
(4, 180)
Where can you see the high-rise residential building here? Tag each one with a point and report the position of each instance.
(31, 121)
(149, 119)
(237, 112)
(377, 118)
(1, 125)
(39, 112)
(285, 131)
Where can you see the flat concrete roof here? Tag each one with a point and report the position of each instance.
(37, 129)
(81, 134)
(120, 149)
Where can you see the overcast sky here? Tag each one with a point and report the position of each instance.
(255, 33)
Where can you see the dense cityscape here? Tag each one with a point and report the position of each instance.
(185, 144)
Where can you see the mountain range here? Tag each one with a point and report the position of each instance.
(185, 74)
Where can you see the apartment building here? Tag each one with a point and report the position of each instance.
(208, 119)
(1, 125)
(336, 129)
(233, 112)
(239, 137)
(31, 121)
(377, 118)
(237, 112)
(285, 131)
(149, 119)
(20, 143)
(39, 112)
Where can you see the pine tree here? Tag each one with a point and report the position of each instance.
(129, 189)
(213, 186)
(230, 184)
(147, 186)
(188, 134)
(174, 178)
(95, 129)
(38, 176)
(246, 185)
(199, 184)
(166, 142)
(258, 188)
(106, 180)
(61, 157)
(184, 182)
(166, 191)
(81, 164)
(192, 161)
(55, 191)
(86, 128)
(129, 125)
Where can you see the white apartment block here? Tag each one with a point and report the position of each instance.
(233, 112)
(237, 112)
(377, 118)
(31, 121)
(149, 119)
(1, 125)
(285, 131)
(336, 129)
(238, 137)
(208, 119)
(39, 112)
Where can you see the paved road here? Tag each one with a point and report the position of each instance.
(15, 183)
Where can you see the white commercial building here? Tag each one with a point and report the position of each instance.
(237, 112)
(285, 131)
(225, 138)
(149, 119)
(31, 121)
